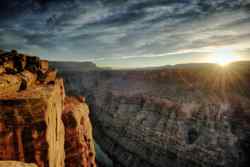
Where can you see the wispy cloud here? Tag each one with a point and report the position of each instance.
(105, 30)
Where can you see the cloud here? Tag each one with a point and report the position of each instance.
(101, 30)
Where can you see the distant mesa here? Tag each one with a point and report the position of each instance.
(73, 66)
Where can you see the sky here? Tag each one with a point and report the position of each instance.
(127, 33)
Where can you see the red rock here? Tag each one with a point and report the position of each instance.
(31, 127)
(15, 164)
(79, 144)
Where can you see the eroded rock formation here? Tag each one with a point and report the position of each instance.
(15, 164)
(32, 127)
(32, 102)
(159, 132)
(79, 143)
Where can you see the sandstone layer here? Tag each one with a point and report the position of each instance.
(32, 127)
(30, 111)
(79, 143)
(32, 102)
(15, 164)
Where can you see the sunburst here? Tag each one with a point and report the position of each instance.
(224, 56)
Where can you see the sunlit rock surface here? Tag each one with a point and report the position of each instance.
(31, 126)
(30, 111)
(32, 102)
(15, 164)
(79, 143)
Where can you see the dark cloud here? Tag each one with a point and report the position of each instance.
(108, 30)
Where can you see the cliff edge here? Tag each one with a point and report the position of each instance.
(32, 105)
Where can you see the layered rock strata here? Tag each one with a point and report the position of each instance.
(32, 102)
(159, 132)
(15, 164)
(79, 143)
(31, 126)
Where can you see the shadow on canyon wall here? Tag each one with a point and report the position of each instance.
(188, 115)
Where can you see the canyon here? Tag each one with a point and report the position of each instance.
(63, 114)
(180, 116)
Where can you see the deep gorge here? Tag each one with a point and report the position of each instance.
(148, 118)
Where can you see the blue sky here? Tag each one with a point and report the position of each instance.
(126, 33)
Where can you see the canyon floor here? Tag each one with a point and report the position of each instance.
(190, 115)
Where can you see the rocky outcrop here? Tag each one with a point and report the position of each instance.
(32, 127)
(15, 164)
(32, 102)
(31, 108)
(79, 143)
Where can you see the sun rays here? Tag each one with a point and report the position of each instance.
(224, 56)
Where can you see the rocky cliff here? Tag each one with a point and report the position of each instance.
(15, 164)
(79, 145)
(33, 125)
(174, 117)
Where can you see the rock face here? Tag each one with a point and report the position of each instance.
(174, 118)
(32, 102)
(32, 127)
(15, 164)
(79, 145)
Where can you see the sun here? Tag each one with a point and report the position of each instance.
(224, 56)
